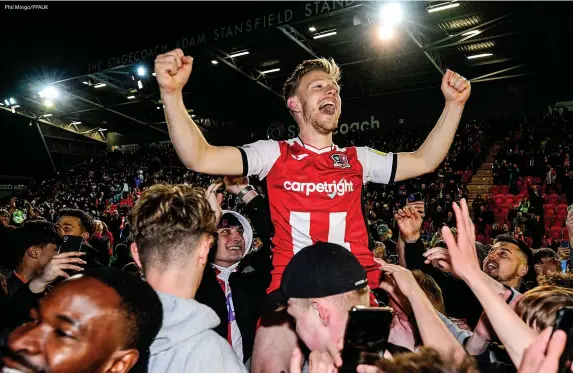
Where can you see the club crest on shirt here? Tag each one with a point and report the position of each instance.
(340, 161)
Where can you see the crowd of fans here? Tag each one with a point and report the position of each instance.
(131, 262)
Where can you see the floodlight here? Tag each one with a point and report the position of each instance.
(481, 55)
(385, 32)
(319, 36)
(48, 103)
(270, 71)
(141, 71)
(238, 54)
(391, 14)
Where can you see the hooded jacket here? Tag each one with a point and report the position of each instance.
(248, 280)
(187, 342)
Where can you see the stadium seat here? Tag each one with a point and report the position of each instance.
(494, 190)
(549, 207)
(519, 198)
(499, 196)
(504, 189)
(480, 238)
(528, 241)
(548, 219)
(555, 232)
(524, 191)
(562, 207)
(563, 199)
(509, 200)
(559, 220)
(553, 199)
(537, 181)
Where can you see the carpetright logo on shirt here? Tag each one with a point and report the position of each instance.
(331, 189)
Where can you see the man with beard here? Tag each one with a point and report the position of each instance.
(510, 262)
(101, 321)
(314, 186)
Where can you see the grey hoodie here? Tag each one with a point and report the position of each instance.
(187, 343)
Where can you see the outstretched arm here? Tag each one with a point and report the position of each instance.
(431, 153)
(172, 70)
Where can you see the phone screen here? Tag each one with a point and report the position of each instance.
(366, 336)
(564, 321)
(71, 243)
(415, 197)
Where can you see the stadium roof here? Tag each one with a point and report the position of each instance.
(78, 49)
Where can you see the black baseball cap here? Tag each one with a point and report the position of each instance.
(319, 271)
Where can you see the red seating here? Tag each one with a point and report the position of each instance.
(494, 190)
(500, 218)
(562, 208)
(504, 189)
(555, 232)
(549, 206)
(524, 191)
(559, 220)
(509, 200)
(480, 238)
(519, 198)
(565, 234)
(553, 199)
(548, 220)
(537, 180)
(528, 241)
(563, 199)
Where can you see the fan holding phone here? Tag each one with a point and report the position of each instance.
(326, 292)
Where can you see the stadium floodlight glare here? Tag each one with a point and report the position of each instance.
(74, 123)
(214, 62)
(443, 6)
(12, 101)
(7, 102)
(141, 71)
(385, 32)
(48, 103)
(481, 55)
(100, 85)
(86, 82)
(1, 104)
(270, 71)
(154, 74)
(238, 54)
(130, 97)
(45, 116)
(139, 84)
(391, 14)
(158, 108)
(312, 29)
(319, 36)
(471, 33)
(49, 92)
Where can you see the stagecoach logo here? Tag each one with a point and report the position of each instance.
(340, 161)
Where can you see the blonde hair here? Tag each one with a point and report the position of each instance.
(538, 307)
(168, 220)
(320, 64)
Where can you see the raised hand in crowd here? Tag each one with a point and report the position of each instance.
(172, 71)
(56, 268)
(511, 330)
(543, 355)
(410, 222)
(439, 257)
(214, 198)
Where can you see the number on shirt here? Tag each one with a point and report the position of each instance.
(300, 223)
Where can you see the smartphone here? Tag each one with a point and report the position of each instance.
(71, 243)
(415, 197)
(366, 336)
(564, 321)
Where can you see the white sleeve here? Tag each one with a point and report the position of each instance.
(378, 167)
(259, 157)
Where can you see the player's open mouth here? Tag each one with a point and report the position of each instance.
(491, 266)
(327, 107)
(232, 248)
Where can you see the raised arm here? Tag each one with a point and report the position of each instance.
(172, 71)
(431, 153)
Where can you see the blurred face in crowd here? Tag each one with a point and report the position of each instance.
(547, 265)
(77, 328)
(318, 96)
(319, 323)
(506, 264)
(71, 226)
(230, 246)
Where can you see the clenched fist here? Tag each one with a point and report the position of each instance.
(172, 70)
(455, 87)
